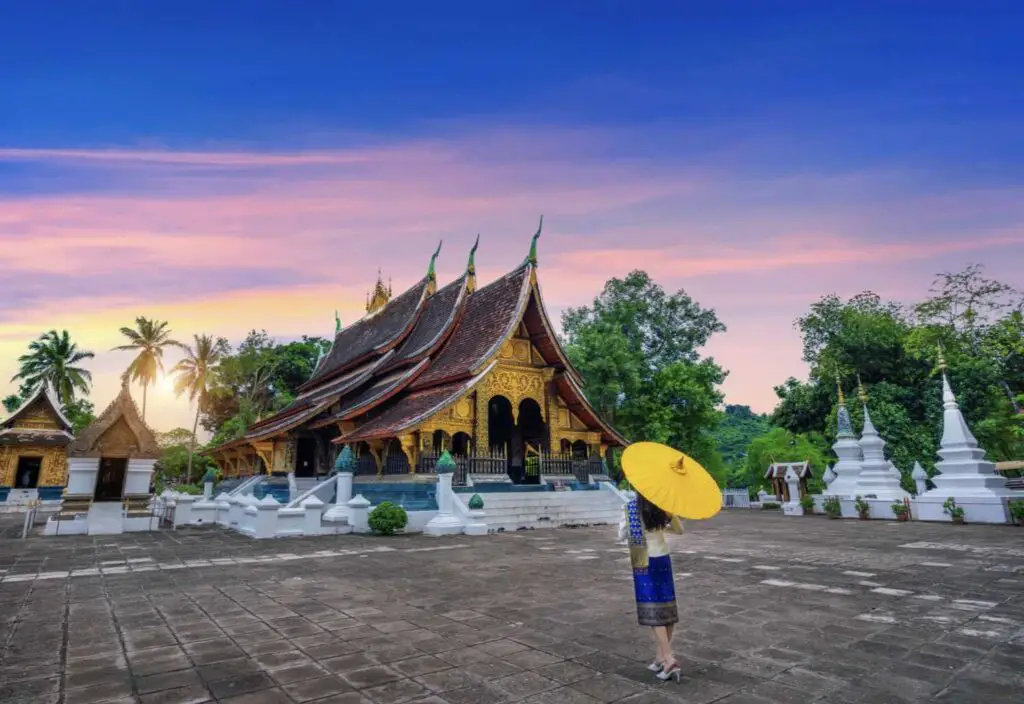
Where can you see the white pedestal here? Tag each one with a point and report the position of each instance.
(359, 514)
(445, 522)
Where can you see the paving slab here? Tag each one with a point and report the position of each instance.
(774, 609)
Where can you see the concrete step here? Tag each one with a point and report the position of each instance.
(106, 518)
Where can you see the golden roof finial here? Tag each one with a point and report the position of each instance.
(861, 393)
(839, 385)
(942, 359)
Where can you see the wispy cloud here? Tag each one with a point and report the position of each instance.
(225, 241)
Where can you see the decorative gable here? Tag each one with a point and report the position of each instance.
(118, 432)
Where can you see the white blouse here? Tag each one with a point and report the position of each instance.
(657, 543)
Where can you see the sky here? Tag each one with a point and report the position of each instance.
(250, 165)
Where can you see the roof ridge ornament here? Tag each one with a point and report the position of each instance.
(337, 322)
(471, 266)
(432, 271)
(531, 258)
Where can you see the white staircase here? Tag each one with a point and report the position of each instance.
(548, 509)
(106, 518)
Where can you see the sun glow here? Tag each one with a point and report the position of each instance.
(165, 383)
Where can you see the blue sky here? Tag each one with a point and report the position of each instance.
(758, 154)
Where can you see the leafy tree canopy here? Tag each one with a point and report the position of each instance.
(894, 350)
(638, 348)
(261, 377)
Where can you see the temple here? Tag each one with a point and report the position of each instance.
(474, 370)
(33, 452)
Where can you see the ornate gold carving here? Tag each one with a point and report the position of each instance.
(265, 451)
(54, 471)
(462, 410)
(38, 416)
(8, 463)
(563, 418)
(516, 385)
(409, 447)
(117, 441)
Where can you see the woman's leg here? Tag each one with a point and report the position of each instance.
(664, 649)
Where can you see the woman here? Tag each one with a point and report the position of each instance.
(653, 583)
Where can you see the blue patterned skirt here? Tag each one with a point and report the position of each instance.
(656, 593)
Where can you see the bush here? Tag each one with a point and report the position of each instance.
(769, 505)
(955, 512)
(833, 508)
(1017, 510)
(807, 503)
(188, 489)
(388, 518)
(863, 507)
(899, 508)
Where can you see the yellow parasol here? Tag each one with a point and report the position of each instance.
(670, 480)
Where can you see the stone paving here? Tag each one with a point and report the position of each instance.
(774, 609)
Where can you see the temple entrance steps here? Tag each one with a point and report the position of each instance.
(106, 518)
(514, 510)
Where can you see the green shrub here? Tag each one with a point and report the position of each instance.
(189, 489)
(1017, 510)
(863, 507)
(387, 518)
(807, 503)
(833, 508)
(769, 505)
(899, 508)
(955, 512)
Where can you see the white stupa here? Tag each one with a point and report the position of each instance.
(964, 473)
(829, 476)
(848, 451)
(878, 478)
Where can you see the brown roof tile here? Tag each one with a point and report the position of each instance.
(489, 315)
(438, 318)
(373, 334)
(409, 410)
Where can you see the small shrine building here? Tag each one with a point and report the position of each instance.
(475, 370)
(33, 451)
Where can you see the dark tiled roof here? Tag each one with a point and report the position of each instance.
(409, 410)
(439, 315)
(32, 436)
(380, 390)
(371, 334)
(284, 422)
(486, 322)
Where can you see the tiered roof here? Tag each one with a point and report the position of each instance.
(24, 427)
(421, 352)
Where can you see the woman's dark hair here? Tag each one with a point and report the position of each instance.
(651, 516)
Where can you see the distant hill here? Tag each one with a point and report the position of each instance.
(735, 432)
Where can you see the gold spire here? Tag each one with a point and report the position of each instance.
(861, 393)
(839, 385)
(381, 295)
(942, 359)
(471, 267)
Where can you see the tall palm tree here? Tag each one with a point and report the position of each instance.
(51, 360)
(193, 374)
(149, 338)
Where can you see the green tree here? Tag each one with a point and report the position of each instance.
(638, 348)
(193, 374)
(259, 378)
(780, 445)
(52, 359)
(149, 338)
(12, 403)
(80, 413)
(739, 426)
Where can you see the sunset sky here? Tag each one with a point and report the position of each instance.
(235, 165)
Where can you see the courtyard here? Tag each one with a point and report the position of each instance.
(774, 609)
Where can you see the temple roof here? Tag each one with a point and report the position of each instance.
(141, 444)
(491, 316)
(375, 333)
(419, 352)
(19, 428)
(410, 410)
(435, 323)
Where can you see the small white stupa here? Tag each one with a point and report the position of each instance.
(848, 451)
(964, 473)
(878, 478)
